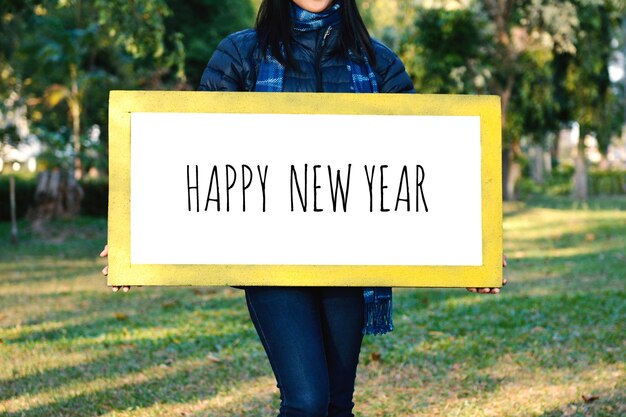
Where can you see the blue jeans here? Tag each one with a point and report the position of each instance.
(312, 337)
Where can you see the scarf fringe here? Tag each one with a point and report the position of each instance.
(378, 314)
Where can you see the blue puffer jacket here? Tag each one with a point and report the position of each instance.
(236, 61)
(235, 64)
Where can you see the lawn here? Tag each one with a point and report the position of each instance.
(71, 347)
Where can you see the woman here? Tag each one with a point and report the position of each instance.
(311, 335)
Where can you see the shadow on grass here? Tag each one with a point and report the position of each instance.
(442, 328)
(104, 323)
(543, 331)
(550, 331)
(165, 310)
(121, 357)
(182, 386)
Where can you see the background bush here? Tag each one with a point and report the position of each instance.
(95, 201)
(24, 196)
(611, 182)
(559, 183)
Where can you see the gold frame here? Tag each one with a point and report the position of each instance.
(122, 272)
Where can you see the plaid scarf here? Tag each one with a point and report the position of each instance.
(272, 73)
(378, 304)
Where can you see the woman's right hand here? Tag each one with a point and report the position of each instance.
(105, 270)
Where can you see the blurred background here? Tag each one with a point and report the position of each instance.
(551, 345)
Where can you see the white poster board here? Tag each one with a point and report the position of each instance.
(192, 172)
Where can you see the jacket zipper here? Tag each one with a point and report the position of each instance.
(318, 61)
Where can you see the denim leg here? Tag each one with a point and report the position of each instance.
(342, 324)
(288, 322)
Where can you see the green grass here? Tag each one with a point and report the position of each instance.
(71, 347)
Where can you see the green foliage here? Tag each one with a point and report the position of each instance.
(544, 58)
(202, 24)
(60, 59)
(445, 50)
(584, 89)
(532, 110)
(610, 182)
(135, 26)
(559, 184)
(63, 57)
(548, 60)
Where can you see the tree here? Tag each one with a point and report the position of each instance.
(203, 24)
(532, 111)
(69, 53)
(520, 28)
(585, 91)
(489, 47)
(446, 53)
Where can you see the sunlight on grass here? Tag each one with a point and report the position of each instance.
(530, 395)
(64, 392)
(565, 252)
(70, 347)
(231, 402)
(516, 392)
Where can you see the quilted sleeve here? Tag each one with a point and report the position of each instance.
(393, 75)
(224, 70)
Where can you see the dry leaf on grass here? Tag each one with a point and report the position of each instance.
(169, 304)
(121, 316)
(212, 358)
(590, 398)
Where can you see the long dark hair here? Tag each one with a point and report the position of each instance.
(273, 27)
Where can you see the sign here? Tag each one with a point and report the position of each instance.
(212, 188)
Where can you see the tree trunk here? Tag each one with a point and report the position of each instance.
(506, 163)
(510, 168)
(511, 172)
(515, 173)
(74, 103)
(58, 195)
(538, 162)
(547, 163)
(580, 189)
(14, 239)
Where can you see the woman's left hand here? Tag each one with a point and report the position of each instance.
(491, 290)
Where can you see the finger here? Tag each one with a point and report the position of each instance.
(126, 289)
(105, 251)
(504, 281)
(495, 290)
(105, 271)
(471, 289)
(483, 290)
(504, 260)
(115, 289)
